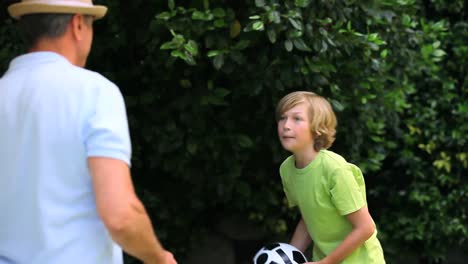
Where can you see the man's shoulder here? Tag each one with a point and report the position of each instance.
(90, 75)
(93, 80)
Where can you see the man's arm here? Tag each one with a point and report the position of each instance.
(301, 238)
(123, 213)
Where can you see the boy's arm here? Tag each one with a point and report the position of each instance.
(363, 228)
(123, 213)
(301, 238)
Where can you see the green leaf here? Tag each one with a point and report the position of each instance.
(164, 16)
(274, 16)
(235, 29)
(213, 53)
(190, 60)
(271, 35)
(205, 16)
(184, 56)
(296, 24)
(179, 54)
(337, 105)
(191, 47)
(244, 141)
(219, 12)
(206, 4)
(325, 22)
(192, 148)
(258, 25)
(406, 20)
(292, 34)
(219, 23)
(218, 61)
(178, 39)
(260, 3)
(212, 100)
(241, 44)
(384, 53)
(323, 31)
(302, 3)
(169, 45)
(427, 51)
(374, 38)
(171, 4)
(300, 45)
(221, 92)
(439, 53)
(185, 83)
(288, 45)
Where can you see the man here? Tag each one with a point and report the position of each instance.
(67, 194)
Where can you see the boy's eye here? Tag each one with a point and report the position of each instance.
(297, 118)
(282, 118)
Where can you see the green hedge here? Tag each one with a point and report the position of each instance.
(202, 78)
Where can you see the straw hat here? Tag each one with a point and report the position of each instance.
(84, 7)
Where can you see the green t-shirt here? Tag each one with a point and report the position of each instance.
(326, 191)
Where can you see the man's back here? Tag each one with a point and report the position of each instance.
(52, 117)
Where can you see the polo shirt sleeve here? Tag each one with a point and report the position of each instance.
(346, 193)
(106, 130)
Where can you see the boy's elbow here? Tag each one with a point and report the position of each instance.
(369, 230)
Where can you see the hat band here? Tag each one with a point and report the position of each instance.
(82, 3)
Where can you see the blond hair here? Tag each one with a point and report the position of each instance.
(322, 119)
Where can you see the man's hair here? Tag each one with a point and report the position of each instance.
(36, 26)
(45, 25)
(322, 119)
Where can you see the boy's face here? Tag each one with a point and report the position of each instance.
(294, 130)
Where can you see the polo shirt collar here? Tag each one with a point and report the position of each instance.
(38, 57)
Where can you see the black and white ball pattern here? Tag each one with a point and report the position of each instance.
(279, 253)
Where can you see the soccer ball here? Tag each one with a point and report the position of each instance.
(279, 253)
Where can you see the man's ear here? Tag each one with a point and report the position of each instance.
(77, 23)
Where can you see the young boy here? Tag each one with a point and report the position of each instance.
(329, 191)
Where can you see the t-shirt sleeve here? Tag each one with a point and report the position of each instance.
(291, 201)
(106, 131)
(346, 193)
(286, 188)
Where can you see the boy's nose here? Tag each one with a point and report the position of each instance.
(286, 125)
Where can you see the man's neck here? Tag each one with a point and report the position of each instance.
(59, 46)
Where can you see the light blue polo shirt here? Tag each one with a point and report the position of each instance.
(53, 115)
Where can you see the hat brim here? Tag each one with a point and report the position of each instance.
(19, 9)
